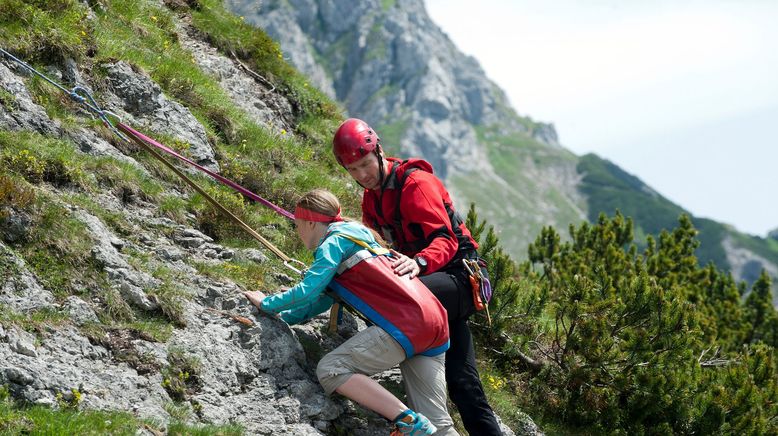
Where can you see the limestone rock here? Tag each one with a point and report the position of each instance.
(24, 114)
(20, 290)
(79, 310)
(136, 94)
(14, 226)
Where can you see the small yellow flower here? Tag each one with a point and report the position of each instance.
(242, 18)
(83, 33)
(154, 18)
(495, 383)
(283, 131)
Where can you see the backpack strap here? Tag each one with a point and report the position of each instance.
(396, 228)
(379, 207)
(378, 251)
(336, 311)
(397, 215)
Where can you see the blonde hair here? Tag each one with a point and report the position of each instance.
(326, 203)
(320, 201)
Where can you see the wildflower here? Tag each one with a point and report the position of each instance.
(154, 18)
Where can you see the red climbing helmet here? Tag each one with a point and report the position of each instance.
(353, 141)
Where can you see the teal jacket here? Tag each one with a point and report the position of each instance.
(307, 298)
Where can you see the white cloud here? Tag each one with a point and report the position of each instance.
(610, 74)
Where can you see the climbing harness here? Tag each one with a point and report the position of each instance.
(482, 289)
(128, 134)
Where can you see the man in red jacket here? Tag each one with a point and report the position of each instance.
(413, 211)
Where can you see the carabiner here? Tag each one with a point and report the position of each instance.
(300, 271)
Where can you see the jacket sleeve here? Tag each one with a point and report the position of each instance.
(422, 203)
(306, 312)
(303, 300)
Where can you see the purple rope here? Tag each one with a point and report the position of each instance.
(129, 130)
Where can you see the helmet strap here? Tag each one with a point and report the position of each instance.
(381, 170)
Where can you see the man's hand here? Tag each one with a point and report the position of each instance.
(404, 265)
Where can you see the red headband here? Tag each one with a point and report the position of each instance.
(309, 215)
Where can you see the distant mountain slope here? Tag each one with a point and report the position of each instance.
(608, 188)
(389, 64)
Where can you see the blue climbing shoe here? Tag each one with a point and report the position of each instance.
(418, 425)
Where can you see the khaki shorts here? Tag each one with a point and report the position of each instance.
(372, 351)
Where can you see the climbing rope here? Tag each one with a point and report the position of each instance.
(132, 132)
(83, 97)
(142, 142)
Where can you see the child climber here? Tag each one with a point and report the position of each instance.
(409, 326)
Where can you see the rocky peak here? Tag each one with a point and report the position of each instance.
(392, 66)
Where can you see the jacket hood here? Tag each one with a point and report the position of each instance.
(412, 163)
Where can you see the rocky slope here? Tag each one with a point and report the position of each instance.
(257, 376)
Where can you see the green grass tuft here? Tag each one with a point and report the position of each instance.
(39, 420)
(45, 30)
(171, 297)
(21, 419)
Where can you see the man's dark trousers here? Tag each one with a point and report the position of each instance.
(464, 385)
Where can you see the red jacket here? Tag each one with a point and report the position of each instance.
(428, 224)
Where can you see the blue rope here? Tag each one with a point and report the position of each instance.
(75, 94)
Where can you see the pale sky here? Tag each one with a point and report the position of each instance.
(682, 94)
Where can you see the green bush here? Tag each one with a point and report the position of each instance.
(14, 194)
(607, 339)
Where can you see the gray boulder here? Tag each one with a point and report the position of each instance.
(20, 290)
(22, 113)
(139, 98)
